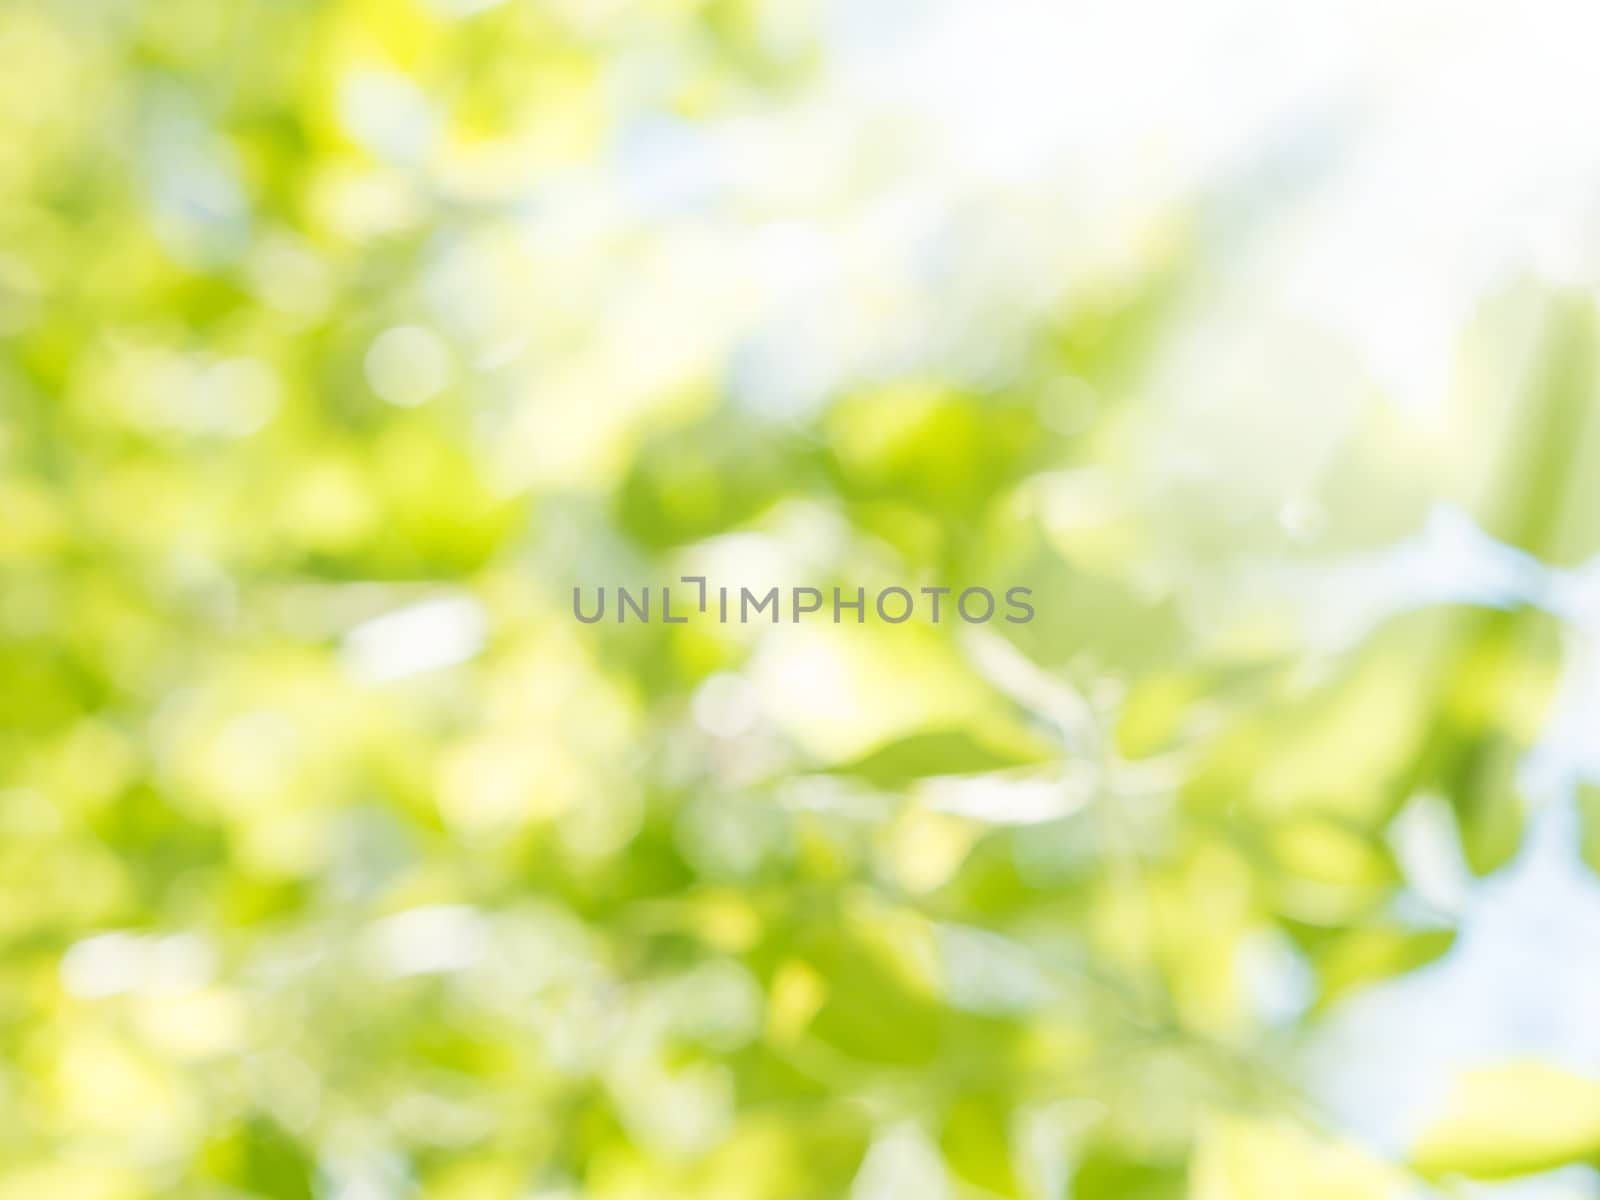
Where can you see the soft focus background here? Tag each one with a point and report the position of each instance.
(340, 339)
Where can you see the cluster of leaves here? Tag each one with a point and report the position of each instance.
(341, 862)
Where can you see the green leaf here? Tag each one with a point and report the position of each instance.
(922, 755)
(1513, 1119)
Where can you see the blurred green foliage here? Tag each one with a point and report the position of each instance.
(341, 862)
